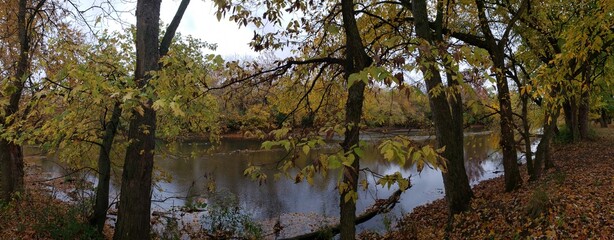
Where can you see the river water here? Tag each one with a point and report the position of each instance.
(191, 179)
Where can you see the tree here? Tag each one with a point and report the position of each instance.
(81, 99)
(11, 153)
(447, 110)
(133, 220)
(355, 61)
(574, 37)
(485, 38)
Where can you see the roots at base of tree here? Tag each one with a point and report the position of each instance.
(380, 206)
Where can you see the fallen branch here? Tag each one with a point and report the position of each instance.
(380, 206)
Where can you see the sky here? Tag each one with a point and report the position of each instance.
(199, 21)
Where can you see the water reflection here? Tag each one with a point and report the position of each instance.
(225, 164)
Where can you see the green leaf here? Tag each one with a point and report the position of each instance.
(349, 160)
(416, 156)
(267, 145)
(389, 154)
(286, 144)
(353, 78)
(359, 152)
(333, 162)
(332, 29)
(306, 149)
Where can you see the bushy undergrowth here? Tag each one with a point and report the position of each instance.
(35, 215)
(226, 218)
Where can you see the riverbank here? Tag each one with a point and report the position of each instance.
(39, 212)
(571, 202)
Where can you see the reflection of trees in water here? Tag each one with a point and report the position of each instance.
(225, 166)
(478, 149)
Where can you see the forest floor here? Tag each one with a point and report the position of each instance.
(573, 201)
(39, 212)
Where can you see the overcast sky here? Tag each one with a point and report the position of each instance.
(199, 21)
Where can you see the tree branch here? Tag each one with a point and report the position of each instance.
(172, 28)
(380, 206)
(282, 68)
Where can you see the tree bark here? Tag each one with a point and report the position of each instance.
(135, 206)
(508, 143)
(526, 134)
(542, 155)
(11, 169)
(604, 119)
(11, 153)
(104, 170)
(356, 60)
(583, 112)
(135, 201)
(380, 206)
(496, 50)
(446, 116)
(570, 108)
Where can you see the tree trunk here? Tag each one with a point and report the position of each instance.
(104, 170)
(135, 206)
(542, 155)
(570, 108)
(508, 144)
(380, 206)
(356, 60)
(583, 112)
(548, 162)
(496, 50)
(544, 143)
(446, 116)
(527, 136)
(11, 169)
(603, 120)
(11, 154)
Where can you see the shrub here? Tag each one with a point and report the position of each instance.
(226, 219)
(538, 203)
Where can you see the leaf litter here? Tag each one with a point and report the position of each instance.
(574, 200)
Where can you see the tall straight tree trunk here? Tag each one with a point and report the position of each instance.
(548, 162)
(496, 50)
(583, 112)
(542, 155)
(508, 143)
(356, 60)
(104, 170)
(135, 206)
(11, 153)
(135, 199)
(446, 116)
(526, 134)
(570, 108)
(604, 118)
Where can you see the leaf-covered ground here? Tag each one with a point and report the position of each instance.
(574, 202)
(38, 214)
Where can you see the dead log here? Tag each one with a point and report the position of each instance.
(380, 206)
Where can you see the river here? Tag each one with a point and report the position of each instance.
(297, 203)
